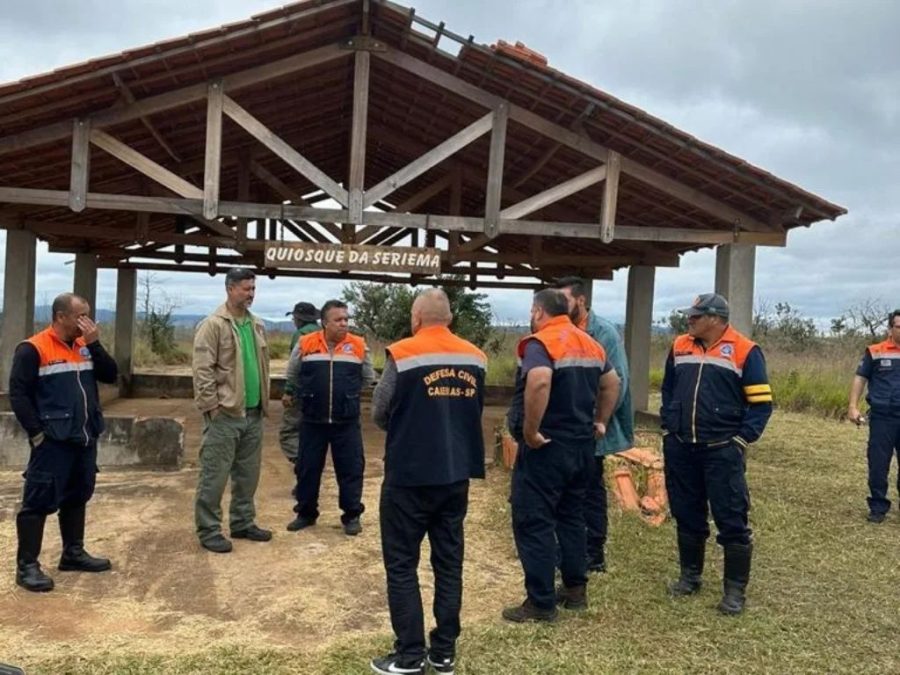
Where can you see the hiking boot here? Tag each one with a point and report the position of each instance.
(353, 527)
(393, 664)
(444, 666)
(217, 544)
(31, 577)
(875, 517)
(300, 522)
(737, 576)
(252, 533)
(572, 597)
(528, 612)
(691, 552)
(76, 559)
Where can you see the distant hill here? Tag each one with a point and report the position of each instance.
(43, 313)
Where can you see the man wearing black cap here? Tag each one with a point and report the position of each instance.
(716, 401)
(306, 318)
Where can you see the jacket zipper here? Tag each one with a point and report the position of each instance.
(696, 393)
(87, 439)
(330, 384)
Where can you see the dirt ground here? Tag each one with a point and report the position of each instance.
(165, 593)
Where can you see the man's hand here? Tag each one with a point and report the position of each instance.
(213, 413)
(855, 416)
(89, 330)
(287, 401)
(535, 439)
(599, 430)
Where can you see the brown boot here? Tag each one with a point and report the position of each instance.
(528, 612)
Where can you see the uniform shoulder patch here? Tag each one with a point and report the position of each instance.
(727, 350)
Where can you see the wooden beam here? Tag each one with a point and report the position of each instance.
(288, 192)
(290, 156)
(173, 99)
(610, 198)
(554, 194)
(158, 137)
(494, 188)
(81, 164)
(430, 159)
(573, 140)
(144, 165)
(357, 176)
(212, 168)
(693, 196)
(243, 194)
(410, 204)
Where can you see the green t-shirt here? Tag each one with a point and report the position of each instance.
(247, 337)
(306, 329)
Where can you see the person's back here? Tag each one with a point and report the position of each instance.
(429, 401)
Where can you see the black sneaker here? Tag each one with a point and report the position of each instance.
(875, 518)
(353, 527)
(253, 533)
(217, 544)
(444, 666)
(392, 664)
(300, 522)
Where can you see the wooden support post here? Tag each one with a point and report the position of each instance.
(81, 164)
(495, 171)
(212, 169)
(243, 193)
(358, 143)
(610, 198)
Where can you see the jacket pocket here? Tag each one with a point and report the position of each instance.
(670, 416)
(351, 406)
(59, 425)
(728, 414)
(308, 405)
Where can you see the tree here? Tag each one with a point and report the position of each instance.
(383, 311)
(157, 326)
(868, 316)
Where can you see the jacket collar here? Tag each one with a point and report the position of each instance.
(222, 312)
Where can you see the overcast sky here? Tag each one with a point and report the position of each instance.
(807, 90)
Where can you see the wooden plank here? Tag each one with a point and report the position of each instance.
(173, 99)
(610, 198)
(494, 188)
(693, 196)
(212, 168)
(357, 176)
(555, 194)
(81, 164)
(158, 137)
(290, 156)
(430, 159)
(473, 244)
(243, 193)
(145, 165)
(286, 191)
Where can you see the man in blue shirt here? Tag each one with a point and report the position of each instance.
(620, 430)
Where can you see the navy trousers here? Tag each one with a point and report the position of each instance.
(407, 514)
(59, 475)
(595, 510)
(700, 479)
(884, 442)
(547, 499)
(349, 461)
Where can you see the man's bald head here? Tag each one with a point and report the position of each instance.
(431, 308)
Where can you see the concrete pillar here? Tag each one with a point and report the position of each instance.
(86, 279)
(588, 292)
(638, 330)
(18, 297)
(126, 300)
(735, 276)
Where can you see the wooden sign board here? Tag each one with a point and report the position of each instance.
(352, 257)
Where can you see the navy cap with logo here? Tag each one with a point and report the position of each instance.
(708, 304)
(305, 311)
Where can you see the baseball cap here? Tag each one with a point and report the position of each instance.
(711, 304)
(305, 311)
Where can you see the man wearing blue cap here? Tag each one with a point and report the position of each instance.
(716, 401)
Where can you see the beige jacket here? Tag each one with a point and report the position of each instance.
(218, 367)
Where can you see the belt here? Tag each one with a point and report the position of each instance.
(713, 445)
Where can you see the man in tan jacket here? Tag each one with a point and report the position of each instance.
(231, 389)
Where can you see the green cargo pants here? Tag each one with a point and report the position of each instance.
(230, 446)
(289, 434)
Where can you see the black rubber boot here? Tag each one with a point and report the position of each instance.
(30, 532)
(74, 558)
(737, 576)
(691, 551)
